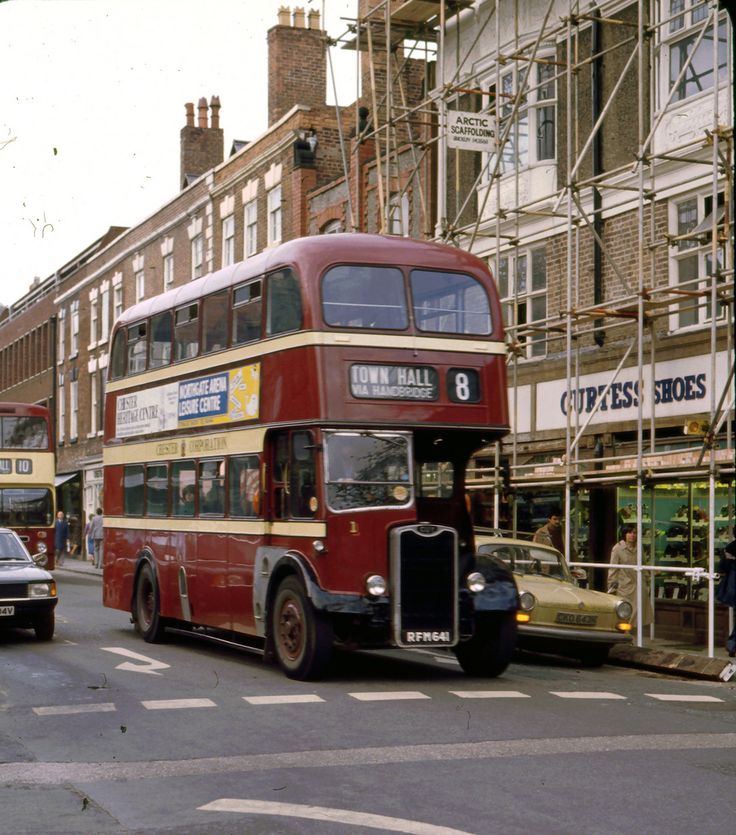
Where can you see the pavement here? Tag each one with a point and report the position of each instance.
(658, 655)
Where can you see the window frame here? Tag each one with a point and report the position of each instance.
(512, 303)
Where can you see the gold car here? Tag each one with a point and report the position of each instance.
(555, 614)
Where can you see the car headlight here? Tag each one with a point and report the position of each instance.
(42, 590)
(375, 585)
(527, 601)
(475, 581)
(624, 610)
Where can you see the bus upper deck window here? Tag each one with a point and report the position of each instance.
(450, 303)
(247, 312)
(186, 332)
(117, 361)
(284, 303)
(214, 321)
(137, 348)
(159, 349)
(24, 433)
(357, 296)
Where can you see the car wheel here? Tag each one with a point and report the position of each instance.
(593, 656)
(489, 651)
(302, 637)
(43, 626)
(146, 611)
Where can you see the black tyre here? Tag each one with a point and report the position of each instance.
(593, 656)
(146, 610)
(302, 637)
(44, 625)
(489, 651)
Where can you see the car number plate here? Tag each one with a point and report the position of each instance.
(7, 611)
(576, 620)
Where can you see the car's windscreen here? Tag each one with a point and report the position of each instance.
(529, 560)
(449, 303)
(359, 296)
(12, 549)
(367, 470)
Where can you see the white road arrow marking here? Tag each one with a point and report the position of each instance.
(324, 813)
(143, 665)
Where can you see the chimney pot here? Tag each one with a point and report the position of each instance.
(284, 16)
(215, 112)
(189, 107)
(299, 19)
(202, 107)
(313, 19)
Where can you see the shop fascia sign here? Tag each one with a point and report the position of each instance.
(680, 387)
(469, 131)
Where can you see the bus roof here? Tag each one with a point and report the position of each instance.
(23, 409)
(314, 255)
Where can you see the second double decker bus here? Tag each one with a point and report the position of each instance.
(285, 450)
(27, 475)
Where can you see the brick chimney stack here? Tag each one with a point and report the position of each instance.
(297, 62)
(203, 145)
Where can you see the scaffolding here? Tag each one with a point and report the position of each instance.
(513, 60)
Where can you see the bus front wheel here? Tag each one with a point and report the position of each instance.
(489, 651)
(148, 621)
(302, 636)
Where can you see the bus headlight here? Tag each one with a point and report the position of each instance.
(527, 601)
(475, 581)
(624, 610)
(375, 585)
(41, 547)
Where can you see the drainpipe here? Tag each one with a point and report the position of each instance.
(596, 83)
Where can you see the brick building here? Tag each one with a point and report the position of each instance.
(226, 210)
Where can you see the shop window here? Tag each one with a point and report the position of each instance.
(675, 524)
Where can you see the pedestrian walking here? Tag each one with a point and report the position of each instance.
(622, 580)
(96, 531)
(61, 537)
(89, 540)
(726, 591)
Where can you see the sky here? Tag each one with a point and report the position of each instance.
(92, 96)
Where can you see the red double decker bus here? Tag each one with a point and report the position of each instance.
(285, 450)
(27, 474)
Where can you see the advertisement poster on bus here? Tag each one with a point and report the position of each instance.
(213, 399)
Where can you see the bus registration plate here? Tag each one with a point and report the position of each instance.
(7, 611)
(419, 637)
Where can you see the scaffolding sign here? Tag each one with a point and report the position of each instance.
(470, 131)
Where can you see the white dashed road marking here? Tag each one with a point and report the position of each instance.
(672, 697)
(177, 704)
(324, 813)
(65, 710)
(585, 694)
(388, 696)
(490, 694)
(300, 698)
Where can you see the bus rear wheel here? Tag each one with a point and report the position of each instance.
(489, 651)
(302, 637)
(146, 615)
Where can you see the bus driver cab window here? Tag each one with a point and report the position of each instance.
(294, 476)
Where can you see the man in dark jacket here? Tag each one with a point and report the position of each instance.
(61, 537)
(726, 591)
